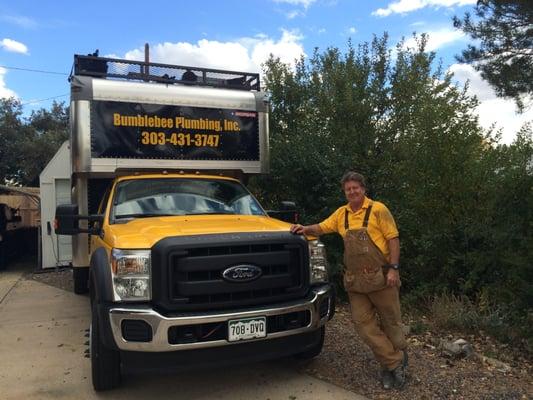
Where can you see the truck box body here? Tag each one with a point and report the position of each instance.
(99, 148)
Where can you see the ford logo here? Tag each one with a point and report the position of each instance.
(242, 273)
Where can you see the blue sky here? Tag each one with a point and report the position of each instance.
(44, 35)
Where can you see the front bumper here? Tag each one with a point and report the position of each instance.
(160, 324)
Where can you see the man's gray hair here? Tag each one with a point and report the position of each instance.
(353, 176)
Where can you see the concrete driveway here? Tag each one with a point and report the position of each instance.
(43, 348)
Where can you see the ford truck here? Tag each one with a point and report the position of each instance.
(182, 264)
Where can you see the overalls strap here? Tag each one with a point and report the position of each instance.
(365, 220)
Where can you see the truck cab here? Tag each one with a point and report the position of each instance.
(183, 265)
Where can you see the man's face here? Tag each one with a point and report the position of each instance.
(354, 192)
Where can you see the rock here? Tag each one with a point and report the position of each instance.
(499, 365)
(468, 350)
(466, 347)
(458, 349)
(450, 349)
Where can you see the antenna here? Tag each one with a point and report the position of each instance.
(147, 61)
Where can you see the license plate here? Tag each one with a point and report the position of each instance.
(247, 328)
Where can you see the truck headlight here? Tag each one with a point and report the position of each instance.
(131, 270)
(318, 262)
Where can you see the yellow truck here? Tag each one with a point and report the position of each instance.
(182, 264)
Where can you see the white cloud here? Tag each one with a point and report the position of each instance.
(304, 3)
(437, 39)
(406, 6)
(293, 14)
(288, 48)
(352, 30)
(244, 54)
(4, 91)
(13, 46)
(492, 109)
(24, 22)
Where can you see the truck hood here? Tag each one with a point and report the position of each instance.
(143, 233)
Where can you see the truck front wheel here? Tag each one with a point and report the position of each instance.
(81, 279)
(2, 256)
(105, 363)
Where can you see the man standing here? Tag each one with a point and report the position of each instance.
(371, 276)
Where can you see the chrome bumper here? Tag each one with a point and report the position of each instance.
(161, 324)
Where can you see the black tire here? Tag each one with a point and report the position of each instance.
(315, 350)
(81, 280)
(105, 362)
(3, 261)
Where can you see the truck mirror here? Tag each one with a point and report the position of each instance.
(66, 220)
(288, 206)
(287, 212)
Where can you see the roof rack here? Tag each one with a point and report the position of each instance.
(112, 68)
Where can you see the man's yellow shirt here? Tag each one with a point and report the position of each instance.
(381, 224)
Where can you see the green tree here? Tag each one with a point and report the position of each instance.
(502, 248)
(504, 54)
(401, 122)
(50, 129)
(13, 133)
(27, 144)
(462, 201)
(413, 133)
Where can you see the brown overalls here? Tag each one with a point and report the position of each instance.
(366, 285)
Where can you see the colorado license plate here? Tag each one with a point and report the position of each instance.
(247, 328)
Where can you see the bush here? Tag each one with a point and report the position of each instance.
(459, 313)
(462, 202)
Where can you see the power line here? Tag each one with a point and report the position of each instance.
(34, 70)
(41, 100)
(43, 72)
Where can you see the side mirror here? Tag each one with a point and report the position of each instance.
(67, 220)
(287, 212)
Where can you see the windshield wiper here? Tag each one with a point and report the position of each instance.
(213, 213)
(145, 215)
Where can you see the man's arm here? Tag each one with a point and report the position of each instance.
(310, 230)
(394, 250)
(393, 275)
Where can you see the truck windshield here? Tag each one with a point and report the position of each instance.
(143, 198)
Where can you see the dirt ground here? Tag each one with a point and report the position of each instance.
(347, 362)
(60, 277)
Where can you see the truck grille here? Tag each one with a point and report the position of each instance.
(194, 271)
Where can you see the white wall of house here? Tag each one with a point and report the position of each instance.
(55, 190)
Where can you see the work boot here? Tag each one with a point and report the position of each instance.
(399, 377)
(405, 360)
(387, 379)
(400, 372)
